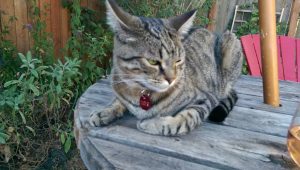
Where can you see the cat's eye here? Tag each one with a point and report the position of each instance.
(153, 62)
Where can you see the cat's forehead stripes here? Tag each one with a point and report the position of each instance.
(160, 32)
(154, 26)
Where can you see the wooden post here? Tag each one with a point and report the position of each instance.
(267, 22)
(293, 18)
(212, 16)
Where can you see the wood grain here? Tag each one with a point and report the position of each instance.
(45, 7)
(55, 26)
(211, 145)
(288, 53)
(280, 63)
(293, 18)
(257, 48)
(22, 33)
(249, 50)
(140, 158)
(252, 137)
(65, 27)
(298, 59)
(7, 7)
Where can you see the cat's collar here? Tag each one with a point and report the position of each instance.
(145, 100)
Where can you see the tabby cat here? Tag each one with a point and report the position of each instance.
(183, 74)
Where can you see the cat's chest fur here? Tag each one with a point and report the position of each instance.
(162, 103)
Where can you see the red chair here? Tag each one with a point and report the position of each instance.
(288, 56)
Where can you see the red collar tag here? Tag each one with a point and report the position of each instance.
(145, 101)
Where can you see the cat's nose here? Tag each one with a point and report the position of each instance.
(170, 79)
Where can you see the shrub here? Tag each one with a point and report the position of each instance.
(251, 26)
(168, 8)
(38, 93)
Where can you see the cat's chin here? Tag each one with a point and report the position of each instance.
(163, 87)
(159, 90)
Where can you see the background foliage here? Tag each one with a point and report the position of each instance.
(251, 26)
(168, 8)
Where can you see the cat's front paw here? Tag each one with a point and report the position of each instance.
(156, 126)
(101, 118)
(149, 126)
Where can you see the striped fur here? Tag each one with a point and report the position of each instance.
(191, 74)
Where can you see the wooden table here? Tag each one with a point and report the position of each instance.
(252, 137)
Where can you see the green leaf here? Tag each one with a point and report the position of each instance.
(66, 101)
(35, 73)
(23, 117)
(11, 83)
(9, 103)
(58, 89)
(3, 138)
(29, 56)
(69, 92)
(21, 77)
(67, 145)
(40, 68)
(34, 89)
(31, 129)
(20, 98)
(22, 57)
(62, 138)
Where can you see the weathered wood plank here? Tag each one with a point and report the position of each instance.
(280, 66)
(45, 6)
(7, 19)
(285, 86)
(288, 53)
(211, 145)
(65, 27)
(249, 50)
(294, 18)
(257, 103)
(298, 57)
(93, 159)
(257, 91)
(289, 91)
(84, 3)
(55, 26)
(21, 33)
(248, 139)
(257, 47)
(259, 121)
(128, 157)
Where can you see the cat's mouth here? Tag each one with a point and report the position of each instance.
(157, 86)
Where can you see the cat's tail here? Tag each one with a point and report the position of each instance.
(231, 60)
(219, 113)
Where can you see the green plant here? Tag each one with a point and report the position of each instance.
(251, 26)
(168, 8)
(8, 64)
(40, 91)
(91, 42)
(43, 46)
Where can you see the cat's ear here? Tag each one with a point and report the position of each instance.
(184, 22)
(118, 19)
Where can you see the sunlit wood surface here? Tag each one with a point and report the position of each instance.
(252, 137)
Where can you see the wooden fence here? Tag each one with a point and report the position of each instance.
(56, 17)
(226, 11)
